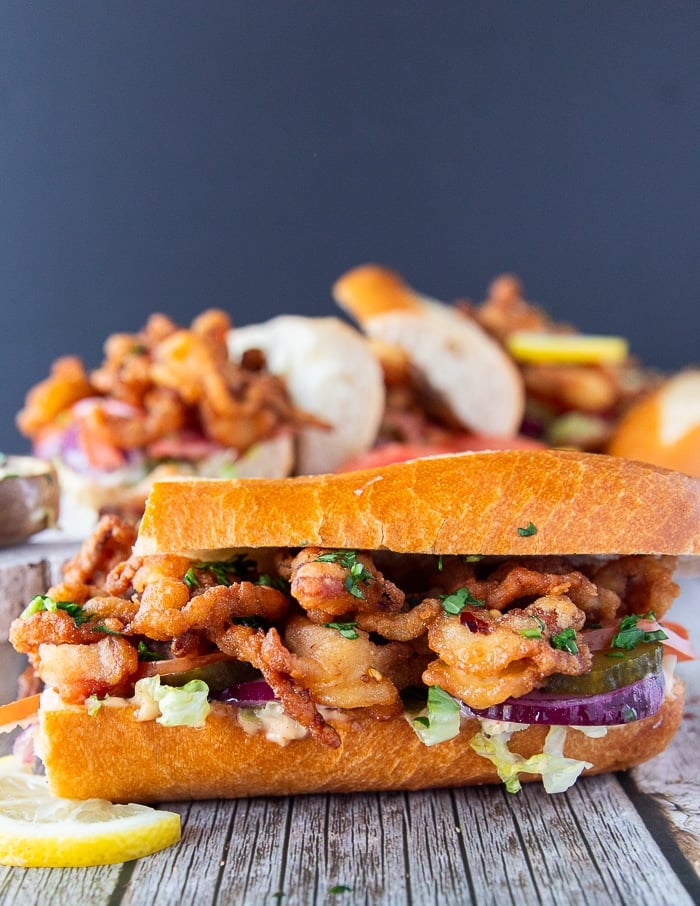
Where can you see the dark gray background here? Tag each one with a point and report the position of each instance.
(173, 156)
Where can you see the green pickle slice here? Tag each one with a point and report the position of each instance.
(218, 675)
(610, 670)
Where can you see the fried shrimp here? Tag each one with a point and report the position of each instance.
(131, 427)
(66, 384)
(342, 672)
(166, 609)
(332, 583)
(643, 583)
(510, 582)
(266, 653)
(79, 671)
(164, 388)
(27, 634)
(486, 656)
(401, 627)
(109, 544)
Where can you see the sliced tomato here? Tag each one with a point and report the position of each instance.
(599, 639)
(185, 445)
(461, 443)
(18, 712)
(99, 453)
(678, 641)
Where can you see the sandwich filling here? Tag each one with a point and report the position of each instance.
(297, 641)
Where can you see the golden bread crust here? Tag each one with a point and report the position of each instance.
(470, 503)
(111, 755)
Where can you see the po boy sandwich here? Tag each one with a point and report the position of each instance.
(298, 396)
(457, 620)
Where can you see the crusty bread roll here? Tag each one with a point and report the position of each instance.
(331, 372)
(508, 504)
(464, 367)
(664, 427)
(113, 756)
(466, 503)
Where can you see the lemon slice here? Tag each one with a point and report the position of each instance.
(38, 829)
(563, 348)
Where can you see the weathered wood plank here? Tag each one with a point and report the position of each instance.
(231, 852)
(27, 570)
(352, 845)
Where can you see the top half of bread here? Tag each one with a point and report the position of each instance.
(516, 502)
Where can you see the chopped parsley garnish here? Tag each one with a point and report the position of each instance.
(529, 529)
(536, 631)
(225, 572)
(145, 653)
(458, 600)
(273, 582)
(628, 636)
(565, 640)
(465, 558)
(347, 630)
(45, 603)
(358, 574)
(107, 631)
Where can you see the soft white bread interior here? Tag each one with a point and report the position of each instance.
(514, 502)
(463, 366)
(113, 756)
(331, 372)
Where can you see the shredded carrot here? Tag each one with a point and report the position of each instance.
(14, 713)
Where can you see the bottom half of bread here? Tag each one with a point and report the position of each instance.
(111, 755)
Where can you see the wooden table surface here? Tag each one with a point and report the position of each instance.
(629, 838)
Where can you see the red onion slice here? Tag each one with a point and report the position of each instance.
(247, 695)
(619, 706)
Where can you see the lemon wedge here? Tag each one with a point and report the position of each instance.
(38, 829)
(539, 347)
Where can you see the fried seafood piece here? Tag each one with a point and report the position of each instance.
(344, 672)
(158, 413)
(78, 671)
(125, 372)
(109, 544)
(506, 310)
(404, 626)
(166, 609)
(266, 652)
(66, 384)
(512, 580)
(641, 583)
(331, 583)
(28, 634)
(237, 406)
(486, 656)
(163, 388)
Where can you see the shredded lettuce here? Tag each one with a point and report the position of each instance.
(440, 720)
(172, 706)
(558, 772)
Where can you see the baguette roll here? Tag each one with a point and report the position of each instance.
(470, 503)
(113, 756)
(399, 621)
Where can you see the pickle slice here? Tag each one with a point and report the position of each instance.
(218, 675)
(610, 670)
